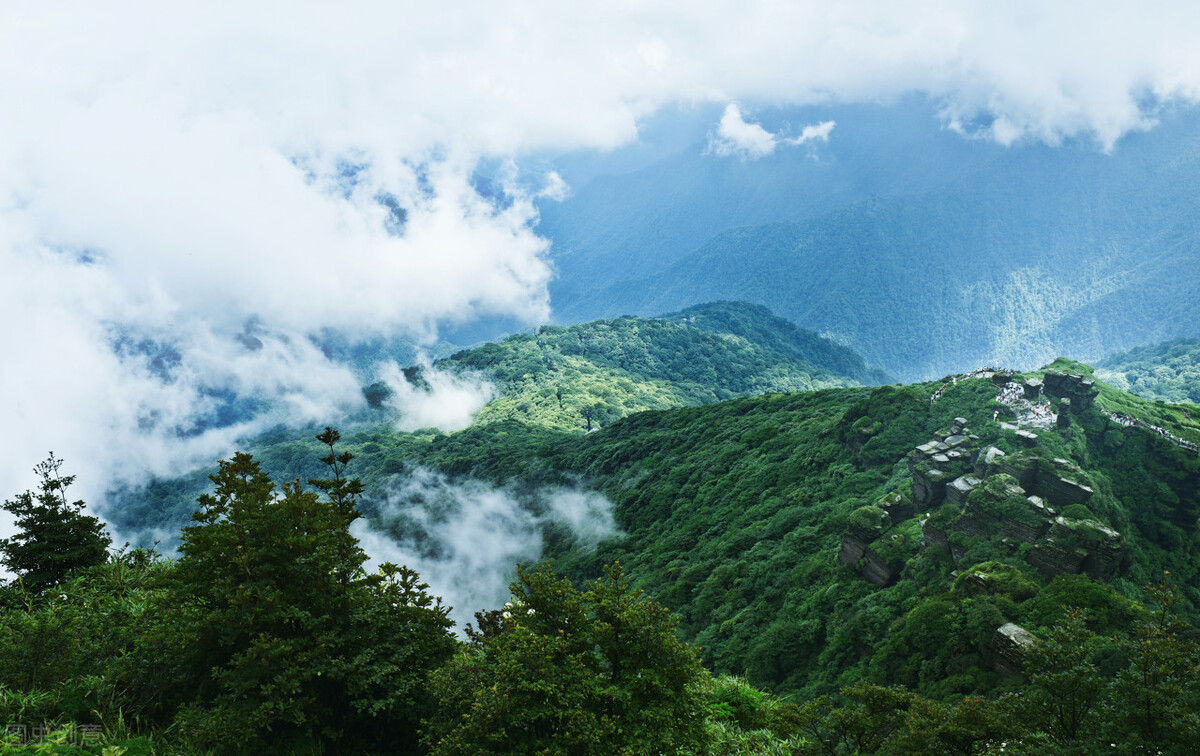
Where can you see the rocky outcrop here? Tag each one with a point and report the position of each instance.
(898, 508)
(1058, 482)
(960, 488)
(1029, 438)
(929, 487)
(1052, 557)
(1074, 546)
(852, 550)
(935, 537)
(875, 570)
(1033, 389)
(1064, 414)
(987, 461)
(1009, 645)
(872, 567)
(1081, 391)
(1021, 466)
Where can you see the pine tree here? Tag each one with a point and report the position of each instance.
(55, 537)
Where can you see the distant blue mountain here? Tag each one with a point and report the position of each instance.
(921, 249)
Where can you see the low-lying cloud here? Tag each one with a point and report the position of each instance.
(444, 400)
(466, 538)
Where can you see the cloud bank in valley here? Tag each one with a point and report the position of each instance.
(189, 194)
(466, 538)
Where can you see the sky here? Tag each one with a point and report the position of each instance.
(190, 193)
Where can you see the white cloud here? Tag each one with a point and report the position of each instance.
(750, 141)
(446, 401)
(734, 136)
(817, 132)
(465, 538)
(170, 173)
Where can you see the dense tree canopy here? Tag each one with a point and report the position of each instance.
(563, 672)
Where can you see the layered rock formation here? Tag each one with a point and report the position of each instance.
(1081, 391)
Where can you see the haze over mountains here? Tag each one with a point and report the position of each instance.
(923, 250)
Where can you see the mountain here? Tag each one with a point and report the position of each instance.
(800, 539)
(622, 224)
(924, 536)
(1169, 371)
(611, 368)
(985, 255)
(562, 378)
(810, 540)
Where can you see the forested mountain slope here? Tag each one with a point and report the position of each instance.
(924, 535)
(624, 225)
(1169, 371)
(607, 369)
(569, 379)
(735, 514)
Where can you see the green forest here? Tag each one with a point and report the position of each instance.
(1169, 371)
(592, 374)
(852, 569)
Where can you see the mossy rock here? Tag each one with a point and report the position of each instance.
(870, 519)
(997, 579)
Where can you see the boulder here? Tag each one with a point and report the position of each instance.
(987, 460)
(852, 550)
(958, 489)
(1009, 644)
(929, 487)
(1033, 389)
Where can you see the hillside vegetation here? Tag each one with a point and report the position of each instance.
(735, 512)
(592, 374)
(799, 540)
(1169, 371)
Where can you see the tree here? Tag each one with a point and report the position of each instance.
(289, 643)
(563, 672)
(1066, 689)
(55, 537)
(1156, 699)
